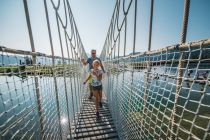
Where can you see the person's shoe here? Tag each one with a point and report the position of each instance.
(97, 115)
(100, 104)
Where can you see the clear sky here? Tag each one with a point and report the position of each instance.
(93, 18)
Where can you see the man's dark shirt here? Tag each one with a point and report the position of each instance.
(90, 61)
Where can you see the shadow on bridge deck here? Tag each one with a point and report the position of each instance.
(88, 127)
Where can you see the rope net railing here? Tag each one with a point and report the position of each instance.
(143, 103)
(41, 94)
(159, 94)
(22, 115)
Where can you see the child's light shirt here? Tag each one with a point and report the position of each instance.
(95, 81)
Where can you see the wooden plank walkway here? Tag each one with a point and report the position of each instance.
(89, 128)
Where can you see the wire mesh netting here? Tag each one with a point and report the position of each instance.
(159, 94)
(40, 94)
(33, 98)
(144, 102)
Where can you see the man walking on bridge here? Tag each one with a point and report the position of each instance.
(90, 62)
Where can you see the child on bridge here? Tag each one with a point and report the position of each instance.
(96, 75)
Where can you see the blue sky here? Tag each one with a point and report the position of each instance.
(93, 18)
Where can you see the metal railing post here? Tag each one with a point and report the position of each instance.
(53, 61)
(135, 20)
(180, 65)
(148, 56)
(64, 73)
(38, 97)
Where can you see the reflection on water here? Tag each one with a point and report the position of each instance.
(63, 120)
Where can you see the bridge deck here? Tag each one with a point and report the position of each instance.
(89, 127)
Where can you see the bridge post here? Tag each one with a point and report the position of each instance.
(180, 65)
(70, 84)
(185, 21)
(135, 20)
(150, 24)
(64, 73)
(38, 97)
(148, 56)
(53, 62)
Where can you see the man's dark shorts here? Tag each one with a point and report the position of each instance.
(97, 87)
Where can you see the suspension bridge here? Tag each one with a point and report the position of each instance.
(157, 94)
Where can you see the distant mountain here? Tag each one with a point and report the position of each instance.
(136, 53)
(10, 60)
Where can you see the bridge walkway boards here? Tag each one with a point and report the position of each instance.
(90, 128)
